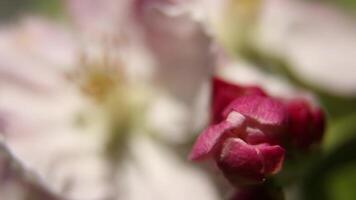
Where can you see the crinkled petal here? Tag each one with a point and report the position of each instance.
(265, 110)
(210, 137)
(243, 163)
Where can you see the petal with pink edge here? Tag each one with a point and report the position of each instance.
(241, 162)
(213, 135)
(265, 110)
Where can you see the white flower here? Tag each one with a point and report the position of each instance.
(67, 102)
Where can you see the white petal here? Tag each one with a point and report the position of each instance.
(318, 41)
(157, 173)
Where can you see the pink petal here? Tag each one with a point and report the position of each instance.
(265, 110)
(243, 163)
(224, 93)
(213, 135)
(306, 125)
(299, 119)
(255, 136)
(273, 157)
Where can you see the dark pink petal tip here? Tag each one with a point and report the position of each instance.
(223, 93)
(265, 110)
(306, 124)
(318, 124)
(213, 135)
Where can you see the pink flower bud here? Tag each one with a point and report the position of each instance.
(250, 130)
(243, 143)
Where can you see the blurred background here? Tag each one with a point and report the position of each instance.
(103, 99)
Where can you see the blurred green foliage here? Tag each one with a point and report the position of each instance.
(12, 9)
(341, 183)
(331, 177)
(52, 8)
(347, 4)
(340, 131)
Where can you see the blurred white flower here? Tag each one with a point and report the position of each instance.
(18, 182)
(66, 101)
(40, 105)
(169, 32)
(180, 46)
(317, 40)
(156, 173)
